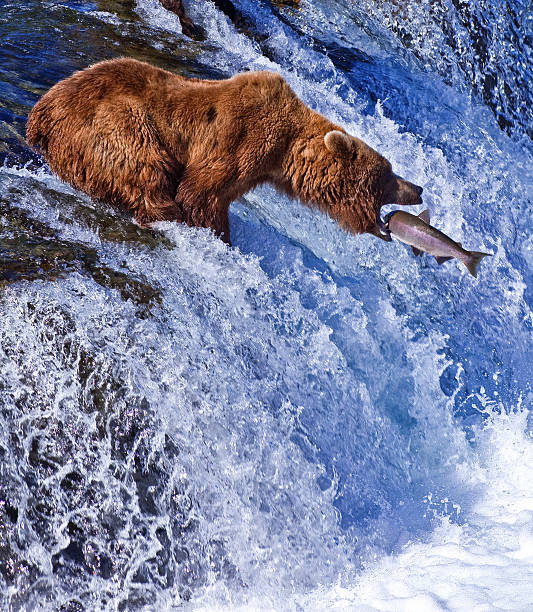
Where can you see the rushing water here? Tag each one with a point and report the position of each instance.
(307, 420)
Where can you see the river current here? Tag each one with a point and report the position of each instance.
(307, 420)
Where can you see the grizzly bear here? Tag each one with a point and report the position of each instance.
(226, 6)
(187, 26)
(167, 147)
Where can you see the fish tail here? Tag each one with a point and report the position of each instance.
(473, 259)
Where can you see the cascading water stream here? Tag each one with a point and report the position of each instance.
(306, 420)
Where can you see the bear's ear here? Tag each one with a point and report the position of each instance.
(339, 143)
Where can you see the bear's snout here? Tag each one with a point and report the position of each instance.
(406, 193)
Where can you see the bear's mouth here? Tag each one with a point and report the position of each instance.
(381, 227)
(382, 224)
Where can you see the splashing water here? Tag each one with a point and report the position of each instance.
(306, 420)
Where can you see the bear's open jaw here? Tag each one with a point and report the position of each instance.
(382, 227)
(381, 224)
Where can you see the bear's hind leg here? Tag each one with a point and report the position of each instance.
(133, 168)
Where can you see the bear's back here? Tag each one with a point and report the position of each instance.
(76, 98)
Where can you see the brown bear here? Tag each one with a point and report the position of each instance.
(172, 148)
(187, 26)
(226, 6)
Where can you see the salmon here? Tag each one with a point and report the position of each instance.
(417, 232)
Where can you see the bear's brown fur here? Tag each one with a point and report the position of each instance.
(226, 6)
(171, 148)
(187, 26)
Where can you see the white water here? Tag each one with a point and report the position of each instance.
(252, 487)
(307, 420)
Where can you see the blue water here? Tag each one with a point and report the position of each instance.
(306, 420)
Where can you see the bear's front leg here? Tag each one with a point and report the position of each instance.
(200, 211)
(216, 217)
(204, 198)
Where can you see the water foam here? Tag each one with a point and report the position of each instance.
(484, 564)
(198, 434)
(301, 423)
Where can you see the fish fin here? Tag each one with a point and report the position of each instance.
(416, 251)
(424, 215)
(474, 257)
(441, 260)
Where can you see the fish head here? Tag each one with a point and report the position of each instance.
(388, 217)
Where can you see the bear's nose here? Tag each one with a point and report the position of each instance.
(419, 190)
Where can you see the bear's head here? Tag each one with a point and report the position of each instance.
(350, 181)
(365, 182)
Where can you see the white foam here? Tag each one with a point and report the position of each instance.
(158, 17)
(483, 564)
(446, 524)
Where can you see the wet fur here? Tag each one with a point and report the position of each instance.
(170, 148)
